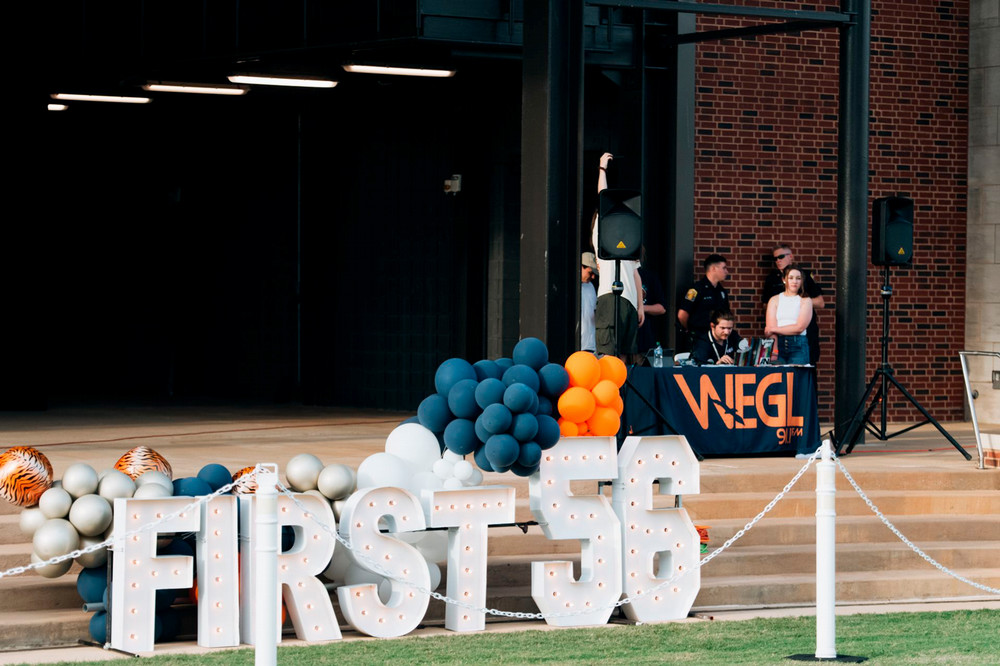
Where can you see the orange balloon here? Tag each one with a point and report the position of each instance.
(613, 369)
(567, 428)
(604, 422)
(576, 404)
(605, 393)
(583, 429)
(619, 406)
(584, 369)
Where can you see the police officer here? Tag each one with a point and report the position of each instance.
(707, 295)
(773, 285)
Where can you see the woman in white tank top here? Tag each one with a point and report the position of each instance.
(788, 316)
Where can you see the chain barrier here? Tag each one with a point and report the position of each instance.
(912, 546)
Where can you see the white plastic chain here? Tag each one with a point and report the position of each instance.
(72, 555)
(377, 567)
(913, 547)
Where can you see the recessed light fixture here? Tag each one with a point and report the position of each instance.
(291, 81)
(399, 71)
(119, 99)
(197, 88)
(57, 107)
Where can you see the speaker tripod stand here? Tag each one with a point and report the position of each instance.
(882, 378)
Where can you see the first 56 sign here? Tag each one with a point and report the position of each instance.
(628, 549)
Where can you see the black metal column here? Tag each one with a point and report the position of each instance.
(852, 207)
(551, 156)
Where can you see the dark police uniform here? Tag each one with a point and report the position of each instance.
(774, 286)
(699, 302)
(706, 349)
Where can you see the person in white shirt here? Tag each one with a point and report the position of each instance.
(788, 317)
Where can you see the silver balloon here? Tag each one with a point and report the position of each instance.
(55, 503)
(80, 479)
(116, 484)
(51, 570)
(93, 559)
(31, 520)
(55, 537)
(302, 472)
(90, 515)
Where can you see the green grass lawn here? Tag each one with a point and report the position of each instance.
(954, 637)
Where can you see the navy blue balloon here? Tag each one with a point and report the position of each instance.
(502, 469)
(524, 428)
(412, 419)
(460, 437)
(433, 412)
(176, 547)
(482, 434)
(191, 486)
(519, 398)
(533, 408)
(92, 583)
(521, 374)
(287, 538)
(215, 475)
(480, 457)
(496, 419)
(530, 455)
(451, 372)
(548, 432)
(521, 470)
(531, 352)
(544, 406)
(99, 627)
(502, 451)
(486, 369)
(462, 399)
(554, 380)
(504, 364)
(489, 392)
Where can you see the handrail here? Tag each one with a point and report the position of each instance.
(972, 404)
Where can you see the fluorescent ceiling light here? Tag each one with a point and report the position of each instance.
(294, 82)
(74, 97)
(57, 107)
(198, 88)
(399, 71)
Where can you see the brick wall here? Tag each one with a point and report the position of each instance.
(766, 172)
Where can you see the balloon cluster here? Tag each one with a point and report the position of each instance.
(501, 411)
(592, 405)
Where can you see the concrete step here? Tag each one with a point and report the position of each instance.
(727, 477)
(920, 529)
(857, 587)
(30, 591)
(43, 628)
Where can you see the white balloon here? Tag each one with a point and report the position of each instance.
(416, 444)
(338, 507)
(55, 537)
(302, 471)
(383, 470)
(435, 572)
(151, 490)
(55, 503)
(51, 570)
(463, 470)
(452, 456)
(453, 484)
(90, 515)
(116, 484)
(444, 468)
(30, 520)
(157, 477)
(336, 481)
(423, 481)
(93, 559)
(339, 563)
(434, 546)
(475, 479)
(80, 479)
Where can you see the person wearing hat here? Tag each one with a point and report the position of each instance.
(588, 301)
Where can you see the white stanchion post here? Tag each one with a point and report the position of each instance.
(266, 554)
(826, 554)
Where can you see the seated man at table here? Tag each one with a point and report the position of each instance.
(720, 344)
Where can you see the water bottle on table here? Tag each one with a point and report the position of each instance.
(658, 356)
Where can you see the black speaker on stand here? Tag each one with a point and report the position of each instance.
(892, 245)
(619, 238)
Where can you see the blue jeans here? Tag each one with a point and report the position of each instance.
(793, 350)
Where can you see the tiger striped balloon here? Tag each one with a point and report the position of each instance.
(245, 481)
(25, 473)
(142, 459)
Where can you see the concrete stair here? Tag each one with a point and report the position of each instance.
(952, 514)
